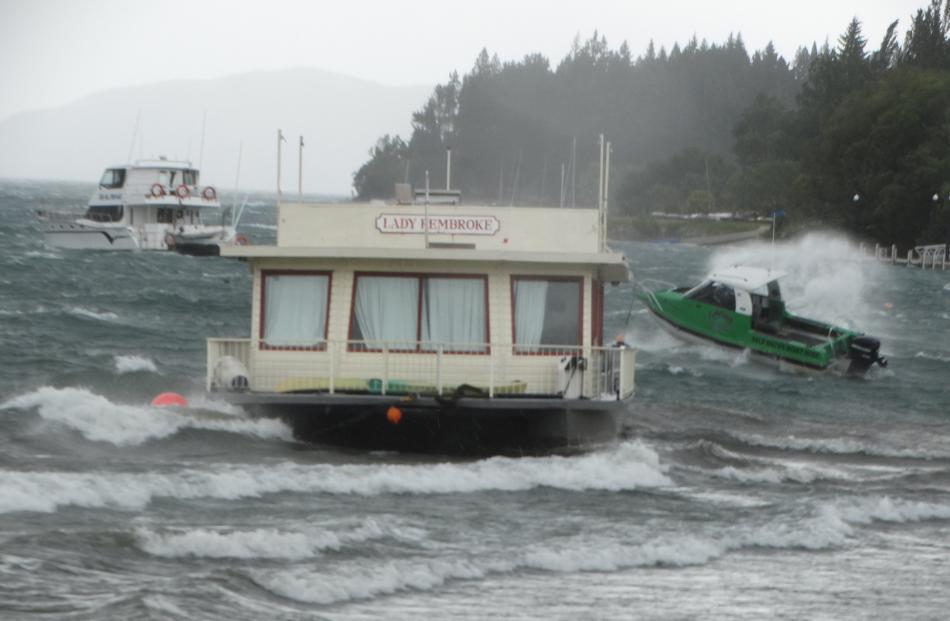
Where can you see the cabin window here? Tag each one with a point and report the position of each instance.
(112, 179)
(717, 294)
(189, 177)
(294, 310)
(105, 213)
(547, 312)
(453, 314)
(413, 313)
(165, 215)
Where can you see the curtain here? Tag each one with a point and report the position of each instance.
(530, 301)
(295, 310)
(387, 309)
(453, 311)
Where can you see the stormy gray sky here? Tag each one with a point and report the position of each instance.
(55, 51)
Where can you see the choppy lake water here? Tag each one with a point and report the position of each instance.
(738, 491)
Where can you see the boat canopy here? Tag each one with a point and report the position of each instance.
(745, 278)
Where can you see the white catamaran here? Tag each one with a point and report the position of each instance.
(149, 205)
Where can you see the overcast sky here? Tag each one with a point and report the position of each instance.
(55, 51)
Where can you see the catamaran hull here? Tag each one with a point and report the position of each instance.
(77, 236)
(466, 426)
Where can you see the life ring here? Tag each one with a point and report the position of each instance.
(182, 191)
(241, 240)
(157, 190)
(209, 193)
(169, 240)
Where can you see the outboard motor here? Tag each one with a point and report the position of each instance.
(863, 352)
(230, 375)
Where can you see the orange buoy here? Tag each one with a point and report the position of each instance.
(394, 415)
(169, 399)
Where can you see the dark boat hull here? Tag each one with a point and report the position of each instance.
(466, 426)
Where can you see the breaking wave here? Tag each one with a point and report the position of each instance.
(630, 467)
(837, 446)
(887, 509)
(581, 554)
(101, 420)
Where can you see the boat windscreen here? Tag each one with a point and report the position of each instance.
(112, 178)
(715, 293)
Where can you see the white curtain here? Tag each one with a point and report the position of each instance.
(387, 309)
(530, 300)
(295, 310)
(453, 311)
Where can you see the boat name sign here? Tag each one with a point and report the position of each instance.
(438, 225)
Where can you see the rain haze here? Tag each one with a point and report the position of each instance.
(53, 53)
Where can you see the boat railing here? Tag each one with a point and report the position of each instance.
(58, 217)
(424, 368)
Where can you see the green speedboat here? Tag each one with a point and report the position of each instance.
(742, 308)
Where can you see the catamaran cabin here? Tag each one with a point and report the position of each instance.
(450, 314)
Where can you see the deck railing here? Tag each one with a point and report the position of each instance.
(390, 368)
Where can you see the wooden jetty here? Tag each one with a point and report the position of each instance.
(934, 256)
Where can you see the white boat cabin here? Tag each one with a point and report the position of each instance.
(138, 206)
(389, 299)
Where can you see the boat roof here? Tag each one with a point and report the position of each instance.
(746, 278)
(611, 266)
(157, 164)
(473, 235)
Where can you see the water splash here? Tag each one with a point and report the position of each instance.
(827, 277)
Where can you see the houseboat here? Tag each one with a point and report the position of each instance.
(149, 205)
(442, 328)
(742, 308)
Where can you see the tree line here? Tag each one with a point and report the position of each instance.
(850, 136)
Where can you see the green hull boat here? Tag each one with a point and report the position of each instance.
(742, 308)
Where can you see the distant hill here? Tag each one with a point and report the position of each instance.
(339, 116)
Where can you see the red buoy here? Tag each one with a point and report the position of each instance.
(394, 415)
(169, 399)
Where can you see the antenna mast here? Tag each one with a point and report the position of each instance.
(280, 139)
(135, 133)
(300, 170)
(201, 151)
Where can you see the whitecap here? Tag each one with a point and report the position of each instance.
(101, 420)
(267, 543)
(346, 584)
(931, 356)
(835, 446)
(887, 509)
(134, 364)
(91, 314)
(578, 554)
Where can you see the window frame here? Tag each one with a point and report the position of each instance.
(353, 345)
(580, 314)
(262, 344)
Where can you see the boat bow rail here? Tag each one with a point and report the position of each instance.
(439, 369)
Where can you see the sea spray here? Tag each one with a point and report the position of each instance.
(827, 278)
